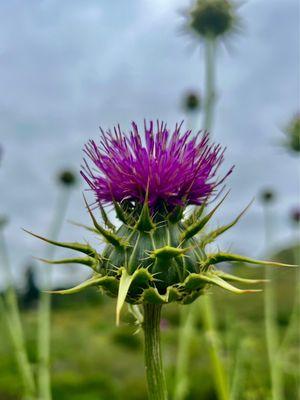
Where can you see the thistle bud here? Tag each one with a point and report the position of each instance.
(157, 254)
(212, 18)
(67, 178)
(292, 132)
(192, 102)
(267, 196)
(295, 216)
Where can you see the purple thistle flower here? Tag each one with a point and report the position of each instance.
(177, 169)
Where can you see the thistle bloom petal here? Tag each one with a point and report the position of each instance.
(174, 168)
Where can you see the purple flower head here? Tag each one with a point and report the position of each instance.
(175, 169)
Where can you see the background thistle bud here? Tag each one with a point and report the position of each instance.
(295, 216)
(67, 178)
(3, 221)
(292, 132)
(158, 254)
(267, 196)
(212, 18)
(192, 102)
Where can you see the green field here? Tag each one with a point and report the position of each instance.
(92, 359)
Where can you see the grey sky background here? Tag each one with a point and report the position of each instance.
(67, 67)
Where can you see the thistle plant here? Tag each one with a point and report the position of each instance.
(157, 255)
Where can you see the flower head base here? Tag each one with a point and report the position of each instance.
(212, 18)
(154, 257)
(175, 169)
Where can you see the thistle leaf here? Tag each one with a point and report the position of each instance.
(105, 218)
(124, 286)
(83, 248)
(121, 214)
(210, 237)
(221, 257)
(196, 214)
(176, 214)
(89, 261)
(168, 252)
(152, 295)
(197, 281)
(145, 223)
(111, 237)
(88, 228)
(94, 281)
(233, 278)
(196, 227)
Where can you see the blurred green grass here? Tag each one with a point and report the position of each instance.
(93, 359)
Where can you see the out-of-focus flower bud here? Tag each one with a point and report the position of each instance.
(212, 18)
(192, 102)
(295, 215)
(267, 196)
(67, 178)
(292, 132)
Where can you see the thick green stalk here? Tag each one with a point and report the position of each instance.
(157, 389)
(210, 92)
(271, 326)
(186, 330)
(11, 313)
(44, 310)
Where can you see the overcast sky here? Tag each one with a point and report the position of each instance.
(67, 67)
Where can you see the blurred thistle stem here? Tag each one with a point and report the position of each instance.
(157, 389)
(294, 321)
(213, 341)
(10, 310)
(271, 326)
(210, 94)
(205, 303)
(44, 309)
(186, 330)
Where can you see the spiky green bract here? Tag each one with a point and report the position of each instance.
(155, 258)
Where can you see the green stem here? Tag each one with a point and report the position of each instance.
(157, 389)
(208, 312)
(210, 92)
(44, 310)
(11, 313)
(272, 334)
(214, 348)
(186, 330)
